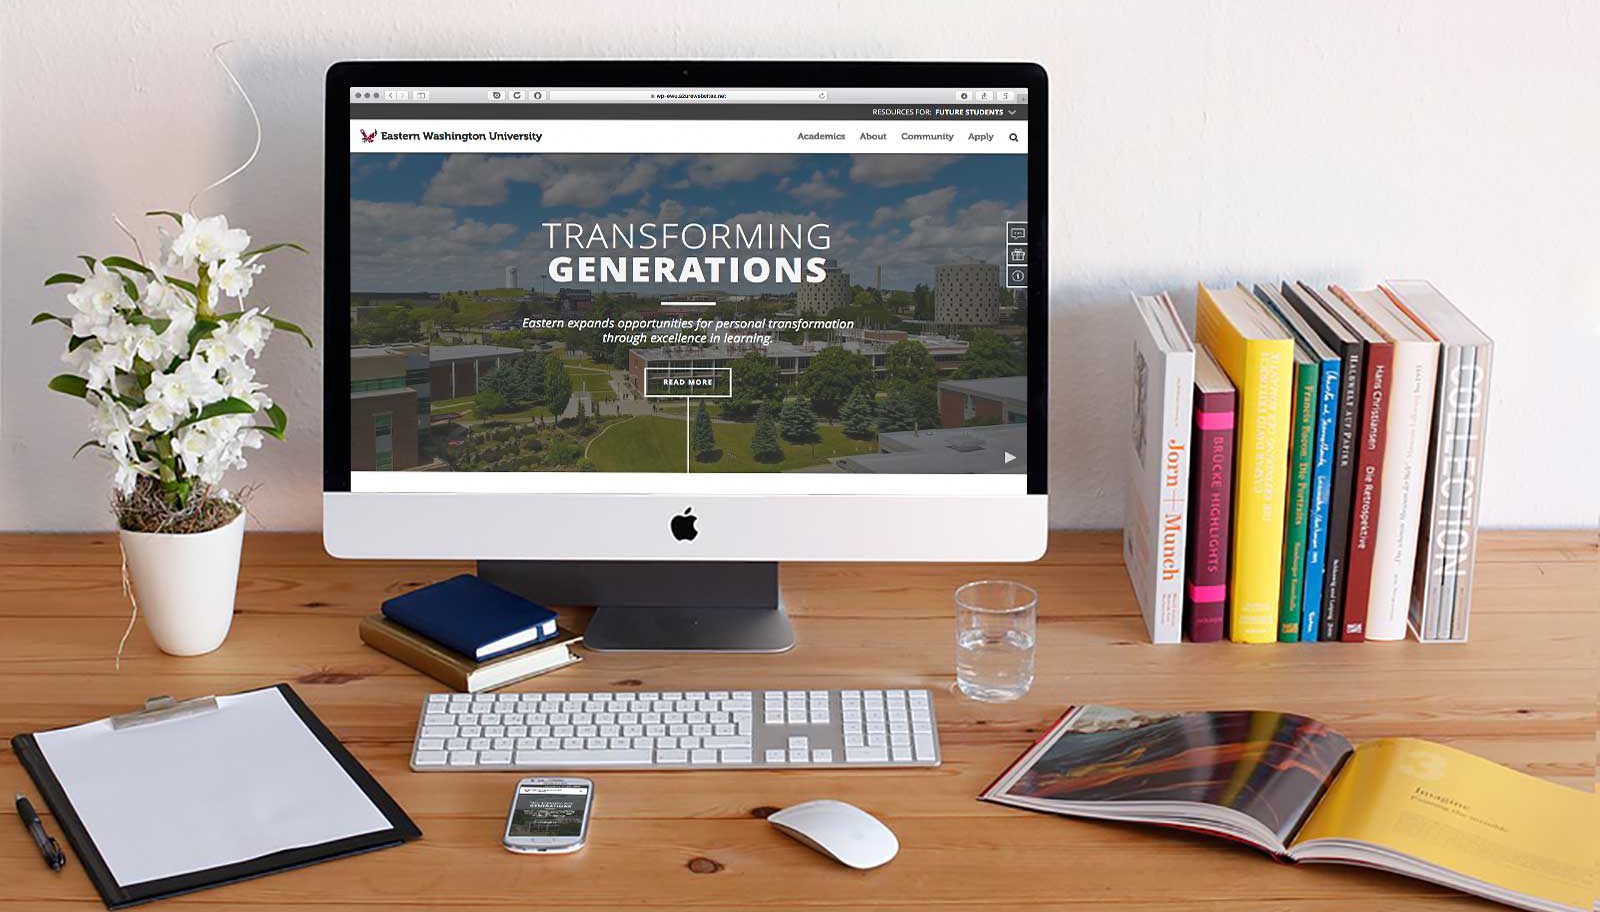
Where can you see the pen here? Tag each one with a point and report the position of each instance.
(47, 844)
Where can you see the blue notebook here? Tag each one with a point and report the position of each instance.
(472, 617)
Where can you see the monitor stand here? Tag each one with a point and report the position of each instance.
(660, 606)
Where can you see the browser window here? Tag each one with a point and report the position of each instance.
(771, 290)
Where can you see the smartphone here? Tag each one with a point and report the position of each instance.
(549, 815)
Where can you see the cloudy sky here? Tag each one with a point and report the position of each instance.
(446, 222)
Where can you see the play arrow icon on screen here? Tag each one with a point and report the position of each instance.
(1010, 459)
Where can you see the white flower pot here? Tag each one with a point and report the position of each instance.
(185, 583)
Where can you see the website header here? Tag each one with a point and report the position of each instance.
(680, 136)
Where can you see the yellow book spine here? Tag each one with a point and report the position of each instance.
(1261, 369)
(1259, 490)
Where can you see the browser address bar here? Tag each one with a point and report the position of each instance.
(700, 96)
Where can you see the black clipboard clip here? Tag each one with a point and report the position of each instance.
(164, 709)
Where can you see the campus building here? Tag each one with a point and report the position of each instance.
(387, 412)
(995, 400)
(511, 277)
(811, 298)
(945, 451)
(966, 294)
(455, 369)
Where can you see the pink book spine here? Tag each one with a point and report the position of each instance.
(1205, 595)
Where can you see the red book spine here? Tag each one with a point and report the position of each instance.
(1205, 591)
(1368, 488)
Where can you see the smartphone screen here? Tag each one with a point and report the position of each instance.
(548, 810)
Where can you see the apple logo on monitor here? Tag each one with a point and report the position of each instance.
(683, 525)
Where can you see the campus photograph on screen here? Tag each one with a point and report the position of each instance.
(727, 312)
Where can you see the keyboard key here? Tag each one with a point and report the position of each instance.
(901, 754)
(430, 744)
(455, 744)
(439, 731)
(581, 759)
(725, 742)
(925, 749)
(672, 756)
(463, 758)
(866, 755)
(822, 755)
(799, 755)
(799, 742)
(438, 718)
(431, 758)
(494, 757)
(775, 756)
(736, 755)
(703, 755)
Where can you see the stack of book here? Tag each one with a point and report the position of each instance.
(470, 635)
(1310, 470)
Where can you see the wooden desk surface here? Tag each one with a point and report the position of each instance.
(1523, 693)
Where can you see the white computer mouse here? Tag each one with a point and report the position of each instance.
(843, 832)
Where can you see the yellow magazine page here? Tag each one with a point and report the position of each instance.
(1467, 815)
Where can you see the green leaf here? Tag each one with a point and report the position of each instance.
(168, 213)
(87, 260)
(268, 248)
(202, 329)
(64, 278)
(185, 284)
(47, 317)
(122, 262)
(274, 432)
(70, 384)
(85, 445)
(128, 285)
(159, 324)
(229, 406)
(279, 419)
(75, 341)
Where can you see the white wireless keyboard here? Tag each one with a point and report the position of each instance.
(719, 729)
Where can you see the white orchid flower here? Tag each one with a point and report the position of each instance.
(234, 279)
(206, 240)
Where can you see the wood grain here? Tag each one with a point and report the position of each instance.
(1523, 693)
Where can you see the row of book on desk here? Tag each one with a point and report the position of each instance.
(1310, 470)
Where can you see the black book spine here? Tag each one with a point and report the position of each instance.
(1336, 572)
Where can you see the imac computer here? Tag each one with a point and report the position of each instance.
(630, 333)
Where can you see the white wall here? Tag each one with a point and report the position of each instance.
(1197, 140)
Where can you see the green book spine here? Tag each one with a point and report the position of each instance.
(1302, 459)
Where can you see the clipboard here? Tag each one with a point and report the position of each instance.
(163, 717)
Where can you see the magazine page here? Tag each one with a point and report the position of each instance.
(1461, 814)
(1269, 767)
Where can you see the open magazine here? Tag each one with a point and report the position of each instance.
(1293, 787)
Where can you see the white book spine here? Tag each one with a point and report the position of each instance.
(1156, 512)
(1405, 465)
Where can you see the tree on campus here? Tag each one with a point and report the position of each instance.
(834, 374)
(557, 386)
(922, 302)
(489, 401)
(764, 443)
(701, 438)
(909, 361)
(857, 415)
(918, 401)
(756, 378)
(988, 355)
(739, 408)
(527, 373)
(896, 413)
(797, 422)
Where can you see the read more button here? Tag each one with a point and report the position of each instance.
(688, 382)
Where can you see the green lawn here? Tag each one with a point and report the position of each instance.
(586, 380)
(650, 443)
(642, 444)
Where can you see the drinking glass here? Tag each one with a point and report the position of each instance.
(996, 622)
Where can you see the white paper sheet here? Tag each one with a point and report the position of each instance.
(194, 793)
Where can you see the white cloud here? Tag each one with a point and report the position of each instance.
(890, 170)
(719, 169)
(815, 190)
(563, 179)
(934, 202)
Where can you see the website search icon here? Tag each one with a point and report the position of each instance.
(1013, 137)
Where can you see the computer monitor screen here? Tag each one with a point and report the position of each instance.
(557, 286)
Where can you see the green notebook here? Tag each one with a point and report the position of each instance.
(1302, 459)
